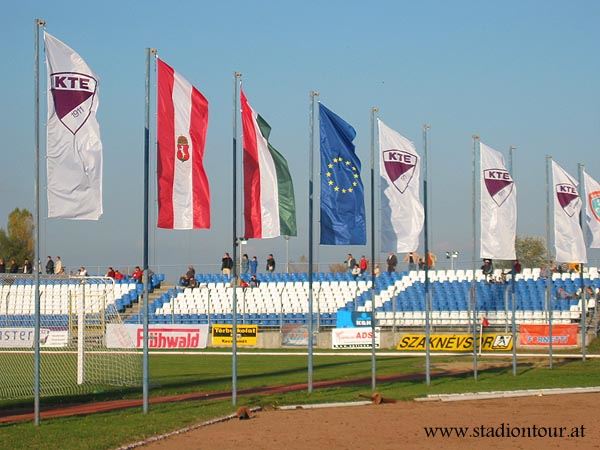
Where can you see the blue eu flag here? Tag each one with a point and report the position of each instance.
(342, 196)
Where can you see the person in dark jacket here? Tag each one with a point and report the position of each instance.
(14, 267)
(392, 262)
(226, 264)
(2, 266)
(270, 263)
(50, 266)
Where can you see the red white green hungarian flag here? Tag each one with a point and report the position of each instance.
(269, 205)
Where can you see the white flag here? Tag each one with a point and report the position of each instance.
(74, 149)
(592, 210)
(498, 207)
(401, 209)
(568, 238)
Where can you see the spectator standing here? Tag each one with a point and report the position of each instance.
(392, 262)
(14, 267)
(110, 273)
(363, 265)
(2, 266)
(50, 266)
(270, 263)
(245, 263)
(137, 274)
(226, 264)
(83, 272)
(253, 266)
(431, 260)
(412, 259)
(58, 266)
(350, 263)
(27, 267)
(516, 268)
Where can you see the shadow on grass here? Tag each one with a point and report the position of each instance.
(163, 385)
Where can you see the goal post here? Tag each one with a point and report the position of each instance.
(74, 315)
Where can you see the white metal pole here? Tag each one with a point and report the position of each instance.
(81, 336)
(513, 293)
(311, 122)
(373, 355)
(549, 195)
(237, 78)
(583, 300)
(38, 23)
(426, 257)
(476, 150)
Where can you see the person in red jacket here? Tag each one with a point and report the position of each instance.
(137, 274)
(363, 264)
(118, 275)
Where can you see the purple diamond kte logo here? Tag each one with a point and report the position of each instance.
(73, 94)
(568, 198)
(400, 167)
(499, 184)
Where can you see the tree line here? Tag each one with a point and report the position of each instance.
(16, 241)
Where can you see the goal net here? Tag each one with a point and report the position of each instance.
(74, 315)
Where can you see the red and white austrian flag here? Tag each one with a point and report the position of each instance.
(183, 190)
(74, 149)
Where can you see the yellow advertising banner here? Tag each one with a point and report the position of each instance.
(246, 335)
(489, 342)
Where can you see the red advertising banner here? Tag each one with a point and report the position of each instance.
(539, 335)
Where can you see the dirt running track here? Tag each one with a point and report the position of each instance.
(400, 425)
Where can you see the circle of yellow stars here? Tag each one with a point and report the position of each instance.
(344, 163)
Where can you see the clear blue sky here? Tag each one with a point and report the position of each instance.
(522, 73)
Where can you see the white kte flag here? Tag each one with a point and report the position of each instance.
(592, 210)
(498, 207)
(401, 209)
(568, 238)
(74, 149)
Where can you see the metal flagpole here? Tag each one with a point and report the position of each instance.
(237, 79)
(311, 146)
(580, 168)
(38, 23)
(374, 111)
(548, 245)
(150, 52)
(426, 249)
(513, 293)
(287, 254)
(476, 150)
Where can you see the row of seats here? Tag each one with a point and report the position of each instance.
(68, 296)
(401, 295)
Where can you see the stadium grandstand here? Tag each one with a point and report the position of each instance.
(282, 298)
